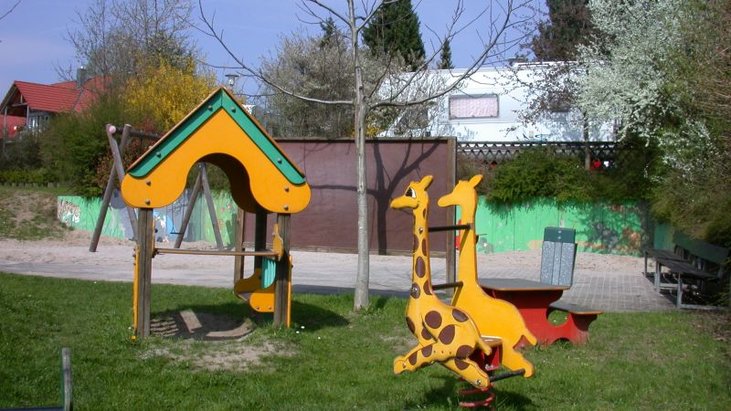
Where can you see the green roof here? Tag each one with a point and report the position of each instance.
(219, 100)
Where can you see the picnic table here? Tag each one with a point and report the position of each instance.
(536, 300)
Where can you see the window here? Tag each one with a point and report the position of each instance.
(477, 106)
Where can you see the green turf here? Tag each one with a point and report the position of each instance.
(331, 358)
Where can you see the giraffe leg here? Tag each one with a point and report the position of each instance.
(470, 371)
(514, 360)
(418, 357)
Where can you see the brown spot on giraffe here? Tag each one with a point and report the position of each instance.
(427, 287)
(459, 315)
(447, 334)
(410, 324)
(425, 334)
(460, 364)
(415, 246)
(412, 358)
(426, 351)
(424, 251)
(433, 320)
(464, 351)
(420, 267)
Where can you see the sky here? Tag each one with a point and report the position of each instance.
(33, 38)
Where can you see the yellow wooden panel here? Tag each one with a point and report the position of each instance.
(218, 138)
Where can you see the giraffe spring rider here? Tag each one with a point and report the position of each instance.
(491, 315)
(445, 334)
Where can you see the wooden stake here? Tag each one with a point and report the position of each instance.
(282, 281)
(143, 280)
(239, 244)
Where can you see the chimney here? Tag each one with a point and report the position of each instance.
(80, 77)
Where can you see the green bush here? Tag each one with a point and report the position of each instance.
(74, 144)
(542, 173)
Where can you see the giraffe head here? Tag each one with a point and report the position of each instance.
(465, 196)
(415, 197)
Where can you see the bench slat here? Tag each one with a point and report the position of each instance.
(574, 308)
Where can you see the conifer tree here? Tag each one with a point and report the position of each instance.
(394, 32)
(445, 58)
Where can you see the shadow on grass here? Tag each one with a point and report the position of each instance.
(449, 393)
(233, 320)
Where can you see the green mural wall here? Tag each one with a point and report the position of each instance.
(601, 228)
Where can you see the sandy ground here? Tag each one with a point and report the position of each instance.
(607, 282)
(113, 257)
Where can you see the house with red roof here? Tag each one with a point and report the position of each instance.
(29, 106)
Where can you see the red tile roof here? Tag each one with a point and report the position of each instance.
(53, 98)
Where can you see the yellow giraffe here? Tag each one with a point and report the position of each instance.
(492, 316)
(445, 334)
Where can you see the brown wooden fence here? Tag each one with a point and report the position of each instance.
(329, 223)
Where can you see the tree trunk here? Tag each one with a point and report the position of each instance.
(585, 134)
(363, 275)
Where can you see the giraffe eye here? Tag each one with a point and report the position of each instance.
(410, 193)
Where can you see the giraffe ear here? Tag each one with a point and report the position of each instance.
(475, 180)
(426, 181)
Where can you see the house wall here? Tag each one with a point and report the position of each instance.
(509, 84)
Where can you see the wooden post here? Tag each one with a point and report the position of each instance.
(260, 235)
(211, 206)
(68, 399)
(451, 256)
(239, 244)
(109, 190)
(188, 211)
(282, 281)
(143, 272)
(119, 168)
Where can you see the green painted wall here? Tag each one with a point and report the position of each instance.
(602, 228)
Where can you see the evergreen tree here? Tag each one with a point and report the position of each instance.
(445, 58)
(394, 32)
(569, 24)
(329, 32)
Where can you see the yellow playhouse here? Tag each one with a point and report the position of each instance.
(263, 180)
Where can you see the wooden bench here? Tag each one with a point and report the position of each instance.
(578, 319)
(558, 258)
(691, 267)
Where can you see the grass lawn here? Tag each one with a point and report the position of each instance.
(331, 358)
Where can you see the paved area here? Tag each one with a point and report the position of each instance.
(609, 283)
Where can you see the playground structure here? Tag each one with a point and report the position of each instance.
(445, 334)
(492, 316)
(116, 172)
(263, 180)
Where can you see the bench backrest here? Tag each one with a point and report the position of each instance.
(702, 253)
(558, 256)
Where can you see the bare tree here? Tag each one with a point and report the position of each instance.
(368, 92)
(122, 37)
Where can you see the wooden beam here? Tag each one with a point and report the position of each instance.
(260, 253)
(143, 271)
(239, 244)
(283, 278)
(188, 210)
(211, 206)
